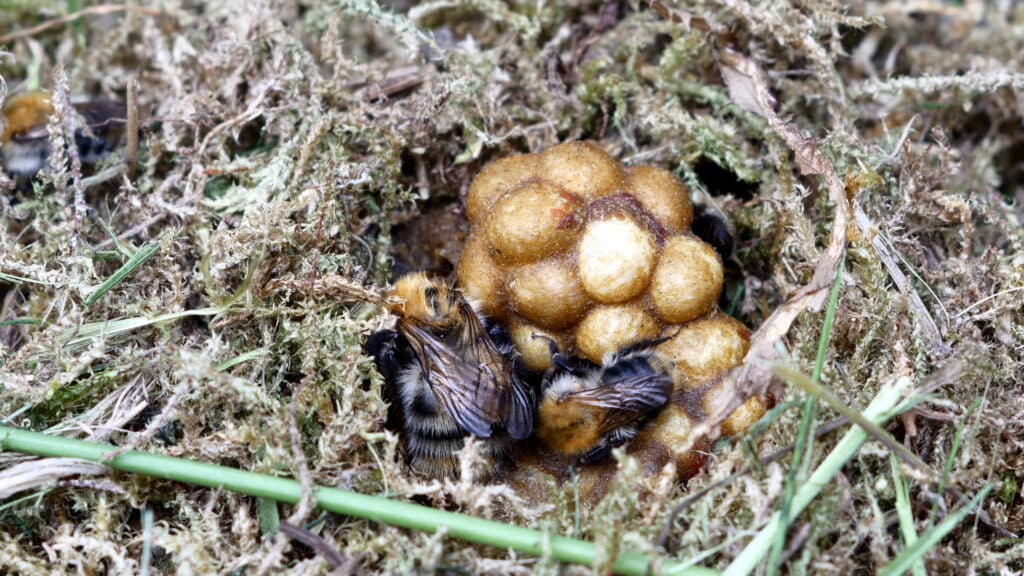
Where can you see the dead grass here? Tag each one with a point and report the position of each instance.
(297, 142)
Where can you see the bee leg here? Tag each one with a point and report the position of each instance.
(597, 454)
(552, 346)
(503, 341)
(618, 437)
(644, 345)
(390, 353)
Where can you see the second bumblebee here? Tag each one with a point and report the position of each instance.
(586, 409)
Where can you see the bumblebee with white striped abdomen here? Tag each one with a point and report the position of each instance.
(25, 141)
(586, 409)
(448, 378)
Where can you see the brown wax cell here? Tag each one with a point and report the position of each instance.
(661, 194)
(532, 222)
(494, 180)
(582, 168)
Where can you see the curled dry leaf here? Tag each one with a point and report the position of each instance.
(35, 473)
(748, 87)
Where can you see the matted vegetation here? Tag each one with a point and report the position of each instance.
(295, 154)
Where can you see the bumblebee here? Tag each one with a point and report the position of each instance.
(587, 409)
(448, 377)
(25, 143)
(715, 230)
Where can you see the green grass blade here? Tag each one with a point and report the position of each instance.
(137, 259)
(904, 511)
(270, 517)
(803, 453)
(242, 358)
(954, 450)
(75, 338)
(12, 279)
(20, 322)
(880, 410)
(797, 379)
(375, 508)
(916, 551)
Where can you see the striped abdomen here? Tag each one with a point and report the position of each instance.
(431, 437)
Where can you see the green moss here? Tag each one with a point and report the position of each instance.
(267, 152)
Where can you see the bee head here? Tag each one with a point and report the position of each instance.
(425, 300)
(25, 111)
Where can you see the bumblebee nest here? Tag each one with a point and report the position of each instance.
(569, 247)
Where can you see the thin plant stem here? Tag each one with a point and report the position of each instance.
(915, 552)
(954, 451)
(803, 454)
(904, 512)
(880, 410)
(376, 508)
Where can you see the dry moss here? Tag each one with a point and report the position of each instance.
(289, 139)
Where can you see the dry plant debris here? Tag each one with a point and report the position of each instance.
(285, 150)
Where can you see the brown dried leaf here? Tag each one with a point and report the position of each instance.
(748, 86)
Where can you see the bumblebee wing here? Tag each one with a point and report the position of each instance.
(460, 388)
(626, 400)
(98, 116)
(509, 401)
(102, 114)
(519, 421)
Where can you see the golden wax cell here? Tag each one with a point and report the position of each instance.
(742, 418)
(531, 222)
(582, 168)
(707, 347)
(687, 281)
(547, 293)
(659, 440)
(608, 329)
(615, 259)
(661, 194)
(495, 179)
(533, 344)
(480, 279)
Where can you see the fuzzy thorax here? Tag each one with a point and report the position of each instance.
(566, 426)
(423, 300)
(25, 112)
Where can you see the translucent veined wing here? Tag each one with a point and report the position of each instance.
(513, 400)
(625, 400)
(476, 395)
